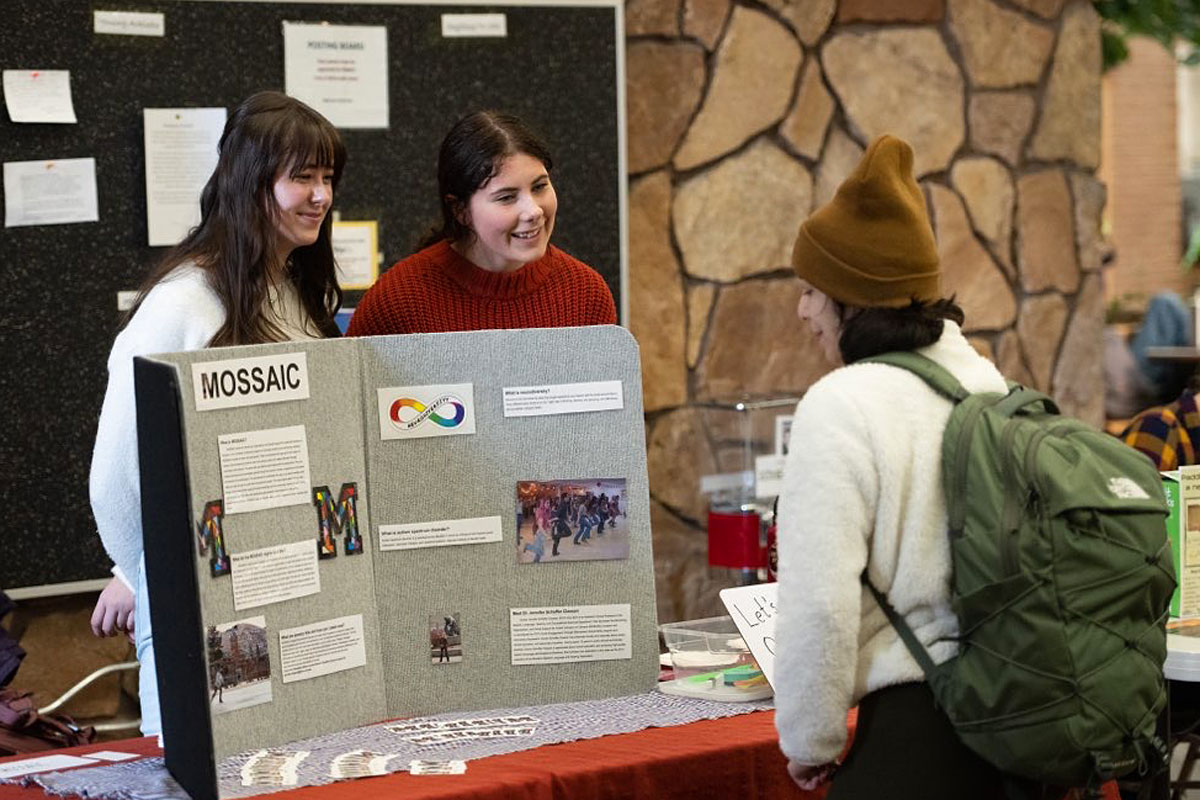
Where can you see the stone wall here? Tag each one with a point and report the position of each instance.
(743, 117)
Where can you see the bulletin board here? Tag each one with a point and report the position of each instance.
(558, 67)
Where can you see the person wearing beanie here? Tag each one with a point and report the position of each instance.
(862, 489)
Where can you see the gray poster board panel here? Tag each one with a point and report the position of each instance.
(334, 434)
(454, 477)
(559, 67)
(429, 480)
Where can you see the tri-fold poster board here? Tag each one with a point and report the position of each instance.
(344, 531)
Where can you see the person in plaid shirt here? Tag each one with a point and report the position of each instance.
(1168, 434)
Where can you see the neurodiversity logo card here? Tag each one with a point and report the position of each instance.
(417, 412)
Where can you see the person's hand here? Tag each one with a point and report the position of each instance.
(809, 777)
(113, 613)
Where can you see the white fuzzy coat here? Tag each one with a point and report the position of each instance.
(181, 312)
(863, 488)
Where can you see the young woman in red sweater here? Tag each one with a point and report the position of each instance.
(490, 264)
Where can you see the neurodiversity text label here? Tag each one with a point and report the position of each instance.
(418, 412)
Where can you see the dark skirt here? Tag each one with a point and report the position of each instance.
(905, 749)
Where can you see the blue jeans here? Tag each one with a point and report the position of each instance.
(585, 529)
(1167, 324)
(147, 675)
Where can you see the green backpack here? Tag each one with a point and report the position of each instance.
(1061, 584)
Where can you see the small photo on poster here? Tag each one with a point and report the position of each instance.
(445, 639)
(586, 519)
(239, 665)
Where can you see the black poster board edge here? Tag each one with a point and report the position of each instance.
(170, 572)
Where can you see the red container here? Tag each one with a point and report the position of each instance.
(733, 540)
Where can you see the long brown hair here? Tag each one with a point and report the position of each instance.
(267, 134)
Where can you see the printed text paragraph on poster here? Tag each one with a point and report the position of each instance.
(570, 634)
(265, 469)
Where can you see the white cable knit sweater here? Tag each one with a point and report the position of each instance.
(863, 488)
(182, 312)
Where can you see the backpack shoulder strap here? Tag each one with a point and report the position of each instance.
(1020, 397)
(918, 651)
(925, 368)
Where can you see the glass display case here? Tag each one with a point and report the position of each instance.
(749, 441)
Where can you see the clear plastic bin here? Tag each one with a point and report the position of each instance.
(710, 660)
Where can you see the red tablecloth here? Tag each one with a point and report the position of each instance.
(732, 757)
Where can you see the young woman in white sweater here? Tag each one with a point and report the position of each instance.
(863, 490)
(258, 268)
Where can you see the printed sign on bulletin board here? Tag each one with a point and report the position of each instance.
(340, 70)
(355, 248)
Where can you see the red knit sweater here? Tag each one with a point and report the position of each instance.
(438, 290)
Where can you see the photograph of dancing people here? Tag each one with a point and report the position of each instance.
(572, 520)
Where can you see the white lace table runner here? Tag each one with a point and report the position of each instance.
(148, 779)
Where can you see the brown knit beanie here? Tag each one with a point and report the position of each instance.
(872, 245)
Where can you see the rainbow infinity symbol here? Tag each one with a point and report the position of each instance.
(429, 412)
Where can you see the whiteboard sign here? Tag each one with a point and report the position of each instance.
(753, 611)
